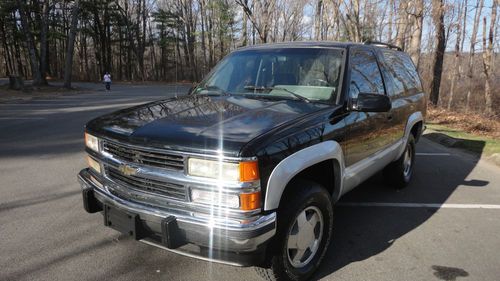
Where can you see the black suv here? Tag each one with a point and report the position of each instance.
(246, 168)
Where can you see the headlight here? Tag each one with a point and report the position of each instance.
(225, 171)
(215, 198)
(92, 142)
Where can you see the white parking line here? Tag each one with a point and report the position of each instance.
(419, 205)
(432, 154)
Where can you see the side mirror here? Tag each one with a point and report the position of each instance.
(369, 102)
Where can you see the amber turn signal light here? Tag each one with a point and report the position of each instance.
(94, 164)
(250, 201)
(249, 171)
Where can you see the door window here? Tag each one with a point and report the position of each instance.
(365, 74)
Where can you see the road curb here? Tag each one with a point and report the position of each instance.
(452, 142)
(442, 139)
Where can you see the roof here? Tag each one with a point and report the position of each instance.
(300, 44)
(308, 44)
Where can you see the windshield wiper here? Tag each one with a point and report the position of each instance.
(214, 88)
(255, 88)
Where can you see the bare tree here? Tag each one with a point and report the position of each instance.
(440, 37)
(260, 16)
(68, 66)
(488, 57)
(35, 69)
(353, 21)
(391, 16)
(457, 54)
(43, 42)
(317, 20)
(402, 24)
(470, 73)
(417, 15)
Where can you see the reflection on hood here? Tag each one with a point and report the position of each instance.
(206, 122)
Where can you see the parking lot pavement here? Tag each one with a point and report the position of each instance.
(444, 226)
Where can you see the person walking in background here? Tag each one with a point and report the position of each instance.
(107, 81)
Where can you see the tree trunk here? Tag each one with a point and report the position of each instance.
(464, 26)
(43, 42)
(401, 24)
(391, 16)
(143, 44)
(35, 67)
(317, 19)
(263, 22)
(107, 30)
(416, 37)
(68, 65)
(488, 57)
(6, 51)
(203, 41)
(245, 27)
(470, 73)
(438, 18)
(457, 65)
(120, 53)
(86, 57)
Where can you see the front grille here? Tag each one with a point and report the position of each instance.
(171, 190)
(145, 157)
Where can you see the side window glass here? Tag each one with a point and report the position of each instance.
(397, 71)
(412, 72)
(403, 71)
(365, 74)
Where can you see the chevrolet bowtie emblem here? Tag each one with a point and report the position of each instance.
(127, 170)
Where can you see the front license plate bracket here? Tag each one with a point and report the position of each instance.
(124, 222)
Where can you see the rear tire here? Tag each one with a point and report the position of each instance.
(399, 172)
(305, 220)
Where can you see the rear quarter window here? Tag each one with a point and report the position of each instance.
(403, 72)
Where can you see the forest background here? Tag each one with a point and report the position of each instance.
(454, 43)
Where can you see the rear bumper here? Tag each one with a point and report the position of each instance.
(242, 244)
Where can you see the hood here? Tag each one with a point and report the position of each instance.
(201, 123)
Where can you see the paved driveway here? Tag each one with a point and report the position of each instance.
(444, 226)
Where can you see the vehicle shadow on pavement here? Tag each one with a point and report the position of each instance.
(38, 200)
(364, 232)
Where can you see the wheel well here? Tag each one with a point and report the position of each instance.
(416, 130)
(325, 173)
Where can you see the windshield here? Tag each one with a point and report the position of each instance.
(310, 73)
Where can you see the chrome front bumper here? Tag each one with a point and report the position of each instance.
(207, 237)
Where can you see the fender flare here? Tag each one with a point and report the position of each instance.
(297, 162)
(414, 118)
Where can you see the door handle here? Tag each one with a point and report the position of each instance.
(389, 117)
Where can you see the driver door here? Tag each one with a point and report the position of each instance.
(367, 132)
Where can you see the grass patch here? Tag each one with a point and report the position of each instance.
(472, 123)
(478, 144)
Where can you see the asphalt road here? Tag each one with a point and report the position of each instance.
(444, 226)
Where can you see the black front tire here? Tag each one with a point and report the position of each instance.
(301, 196)
(399, 172)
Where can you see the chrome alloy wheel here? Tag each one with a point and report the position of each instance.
(407, 161)
(305, 237)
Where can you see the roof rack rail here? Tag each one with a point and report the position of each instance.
(377, 43)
